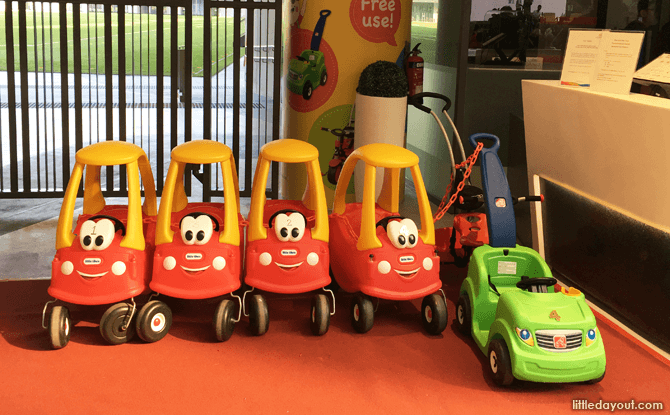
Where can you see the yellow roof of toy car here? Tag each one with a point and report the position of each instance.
(201, 152)
(288, 150)
(109, 153)
(387, 155)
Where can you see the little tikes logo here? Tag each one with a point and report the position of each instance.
(376, 21)
(289, 252)
(193, 256)
(92, 261)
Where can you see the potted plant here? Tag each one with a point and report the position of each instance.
(381, 109)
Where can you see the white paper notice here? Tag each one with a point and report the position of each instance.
(619, 53)
(581, 55)
(657, 70)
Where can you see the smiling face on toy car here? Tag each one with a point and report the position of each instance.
(289, 228)
(96, 235)
(401, 236)
(196, 230)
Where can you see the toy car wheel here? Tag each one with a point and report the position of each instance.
(362, 313)
(319, 315)
(500, 363)
(112, 322)
(337, 173)
(596, 380)
(332, 175)
(434, 314)
(324, 78)
(463, 314)
(259, 320)
(154, 321)
(59, 327)
(307, 90)
(224, 323)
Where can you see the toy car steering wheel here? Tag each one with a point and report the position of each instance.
(527, 283)
(118, 225)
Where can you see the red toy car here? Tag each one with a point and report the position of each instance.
(198, 245)
(375, 252)
(344, 145)
(107, 259)
(287, 241)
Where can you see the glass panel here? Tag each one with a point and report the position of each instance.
(435, 25)
(508, 32)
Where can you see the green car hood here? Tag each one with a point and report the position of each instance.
(298, 66)
(545, 310)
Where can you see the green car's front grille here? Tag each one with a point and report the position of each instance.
(558, 340)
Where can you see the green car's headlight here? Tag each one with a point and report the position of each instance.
(525, 336)
(591, 336)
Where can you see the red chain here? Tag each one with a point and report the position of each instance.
(470, 162)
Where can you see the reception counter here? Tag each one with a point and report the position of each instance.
(603, 163)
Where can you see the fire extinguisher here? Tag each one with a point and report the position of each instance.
(414, 70)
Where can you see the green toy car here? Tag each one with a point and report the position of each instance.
(508, 304)
(307, 72)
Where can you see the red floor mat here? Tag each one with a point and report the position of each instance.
(395, 368)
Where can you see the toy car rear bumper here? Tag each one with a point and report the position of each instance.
(578, 366)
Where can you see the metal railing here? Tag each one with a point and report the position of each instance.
(111, 74)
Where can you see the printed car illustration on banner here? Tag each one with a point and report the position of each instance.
(344, 145)
(308, 70)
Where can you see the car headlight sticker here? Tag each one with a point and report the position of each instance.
(591, 336)
(525, 336)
